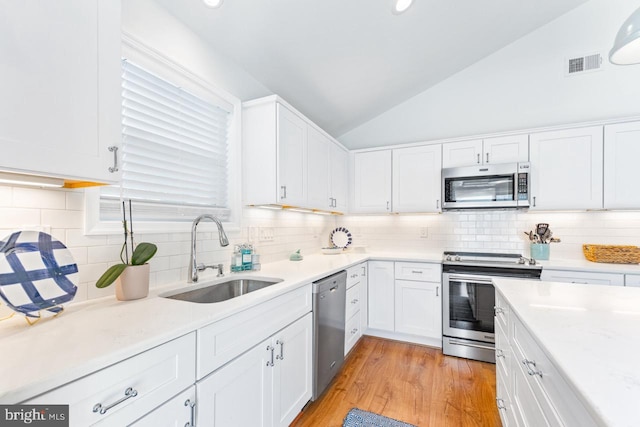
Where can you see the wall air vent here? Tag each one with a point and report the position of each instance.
(583, 64)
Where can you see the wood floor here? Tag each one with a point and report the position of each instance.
(411, 383)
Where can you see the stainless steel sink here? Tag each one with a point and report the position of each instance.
(221, 291)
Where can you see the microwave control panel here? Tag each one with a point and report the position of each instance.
(523, 186)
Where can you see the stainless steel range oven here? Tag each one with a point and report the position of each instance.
(468, 299)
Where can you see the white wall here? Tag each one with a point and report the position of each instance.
(521, 86)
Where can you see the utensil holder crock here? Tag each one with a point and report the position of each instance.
(540, 251)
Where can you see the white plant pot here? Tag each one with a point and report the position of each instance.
(133, 283)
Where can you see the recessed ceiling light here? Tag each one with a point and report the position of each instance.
(400, 6)
(213, 3)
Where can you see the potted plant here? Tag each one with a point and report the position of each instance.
(132, 275)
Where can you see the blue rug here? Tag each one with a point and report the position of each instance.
(359, 418)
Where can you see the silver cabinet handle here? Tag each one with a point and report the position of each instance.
(437, 291)
(487, 157)
(114, 150)
(531, 367)
(387, 205)
(270, 363)
(192, 409)
(284, 191)
(128, 394)
(500, 403)
(416, 271)
(364, 271)
(354, 301)
(354, 331)
(499, 352)
(534, 201)
(281, 344)
(438, 204)
(497, 310)
(478, 158)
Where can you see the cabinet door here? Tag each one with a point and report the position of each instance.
(177, 412)
(418, 308)
(566, 169)
(292, 373)
(240, 393)
(292, 157)
(582, 277)
(463, 153)
(318, 179)
(339, 167)
(372, 182)
(381, 295)
(416, 179)
(621, 154)
(506, 149)
(60, 87)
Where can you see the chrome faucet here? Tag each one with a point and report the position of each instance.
(194, 267)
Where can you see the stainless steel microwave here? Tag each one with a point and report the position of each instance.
(498, 186)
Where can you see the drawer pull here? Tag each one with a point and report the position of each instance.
(416, 271)
(128, 394)
(354, 331)
(354, 301)
(499, 352)
(192, 409)
(500, 403)
(531, 367)
(364, 271)
(498, 310)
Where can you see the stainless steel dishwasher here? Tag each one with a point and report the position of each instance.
(329, 296)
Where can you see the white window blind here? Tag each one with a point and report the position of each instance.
(174, 152)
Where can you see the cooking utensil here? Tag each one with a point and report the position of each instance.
(541, 229)
(546, 236)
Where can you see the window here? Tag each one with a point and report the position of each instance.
(178, 158)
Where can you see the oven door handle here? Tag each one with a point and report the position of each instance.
(466, 344)
(468, 278)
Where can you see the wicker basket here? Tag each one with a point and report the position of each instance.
(612, 254)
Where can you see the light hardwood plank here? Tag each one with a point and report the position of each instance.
(412, 383)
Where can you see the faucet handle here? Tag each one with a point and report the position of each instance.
(220, 270)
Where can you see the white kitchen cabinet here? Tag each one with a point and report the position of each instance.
(292, 157)
(566, 169)
(632, 280)
(372, 182)
(266, 386)
(318, 170)
(355, 306)
(60, 87)
(500, 149)
(463, 153)
(339, 178)
(530, 389)
(154, 377)
(621, 154)
(418, 299)
(582, 277)
(177, 412)
(381, 296)
(417, 179)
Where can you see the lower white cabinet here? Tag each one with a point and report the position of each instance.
(355, 305)
(381, 295)
(266, 386)
(632, 280)
(405, 301)
(582, 277)
(177, 412)
(130, 389)
(530, 391)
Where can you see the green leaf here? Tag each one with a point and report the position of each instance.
(143, 253)
(109, 276)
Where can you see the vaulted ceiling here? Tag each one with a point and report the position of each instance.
(344, 62)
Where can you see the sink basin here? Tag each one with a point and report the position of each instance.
(221, 291)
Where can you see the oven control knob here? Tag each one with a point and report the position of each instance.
(457, 257)
(448, 258)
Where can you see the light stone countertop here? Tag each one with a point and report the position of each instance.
(92, 335)
(592, 334)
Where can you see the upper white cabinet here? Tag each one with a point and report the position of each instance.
(621, 159)
(566, 169)
(416, 179)
(60, 86)
(338, 178)
(502, 149)
(372, 182)
(288, 161)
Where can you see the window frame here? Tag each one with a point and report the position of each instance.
(166, 68)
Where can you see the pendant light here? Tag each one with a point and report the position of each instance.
(214, 4)
(400, 6)
(626, 48)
